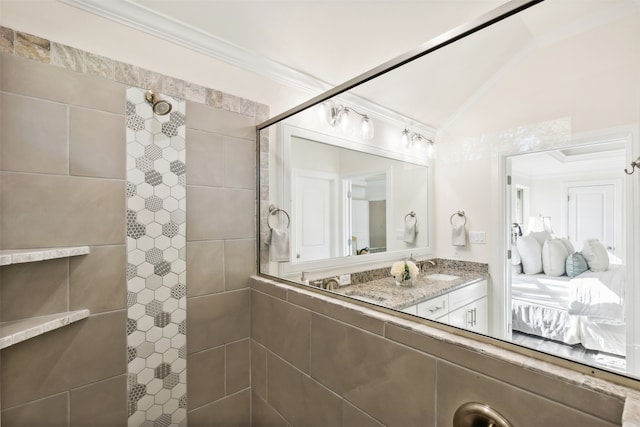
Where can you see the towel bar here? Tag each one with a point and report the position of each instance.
(273, 211)
(410, 214)
(460, 214)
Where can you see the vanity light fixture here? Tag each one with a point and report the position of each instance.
(339, 116)
(410, 139)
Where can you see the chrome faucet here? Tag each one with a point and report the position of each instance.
(331, 284)
(430, 261)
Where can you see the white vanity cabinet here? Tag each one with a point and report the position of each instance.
(465, 308)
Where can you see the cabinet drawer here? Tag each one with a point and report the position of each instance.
(434, 307)
(468, 294)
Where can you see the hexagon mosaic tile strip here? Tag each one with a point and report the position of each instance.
(156, 264)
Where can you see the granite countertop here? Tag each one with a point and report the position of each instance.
(385, 292)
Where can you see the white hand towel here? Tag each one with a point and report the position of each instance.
(278, 242)
(410, 231)
(458, 235)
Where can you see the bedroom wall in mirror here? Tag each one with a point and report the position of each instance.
(568, 239)
(534, 119)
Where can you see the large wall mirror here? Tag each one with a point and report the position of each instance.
(523, 123)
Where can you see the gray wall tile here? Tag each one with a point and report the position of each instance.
(217, 319)
(220, 213)
(345, 314)
(97, 281)
(34, 135)
(205, 118)
(25, 77)
(353, 417)
(205, 153)
(96, 143)
(457, 386)
(299, 398)
(205, 266)
(51, 411)
(282, 328)
(392, 383)
(258, 369)
(597, 404)
(263, 415)
(240, 163)
(100, 404)
(239, 263)
(238, 361)
(46, 283)
(49, 211)
(232, 411)
(81, 353)
(205, 377)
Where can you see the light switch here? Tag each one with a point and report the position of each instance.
(479, 237)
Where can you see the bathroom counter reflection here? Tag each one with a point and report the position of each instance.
(450, 295)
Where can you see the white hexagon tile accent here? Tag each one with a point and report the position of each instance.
(156, 280)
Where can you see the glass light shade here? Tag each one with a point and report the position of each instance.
(367, 128)
(429, 148)
(405, 137)
(344, 119)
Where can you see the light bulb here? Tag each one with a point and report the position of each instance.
(367, 128)
(429, 148)
(405, 137)
(343, 119)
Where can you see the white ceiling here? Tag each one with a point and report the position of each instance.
(318, 44)
(330, 40)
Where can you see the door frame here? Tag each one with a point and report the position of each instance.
(501, 274)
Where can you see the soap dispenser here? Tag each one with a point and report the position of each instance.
(304, 279)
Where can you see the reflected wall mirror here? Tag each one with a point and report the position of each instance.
(512, 132)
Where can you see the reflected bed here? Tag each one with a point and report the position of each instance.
(587, 309)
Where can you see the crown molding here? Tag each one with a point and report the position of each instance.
(166, 28)
(143, 19)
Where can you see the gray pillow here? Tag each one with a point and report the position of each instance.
(576, 264)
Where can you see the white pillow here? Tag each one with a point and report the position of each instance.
(530, 253)
(541, 236)
(515, 256)
(554, 257)
(596, 255)
(567, 244)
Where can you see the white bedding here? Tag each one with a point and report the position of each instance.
(586, 309)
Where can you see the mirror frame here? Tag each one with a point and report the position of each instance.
(496, 15)
(295, 269)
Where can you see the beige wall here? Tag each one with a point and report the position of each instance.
(318, 362)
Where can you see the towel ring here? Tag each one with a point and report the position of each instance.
(412, 214)
(273, 211)
(460, 214)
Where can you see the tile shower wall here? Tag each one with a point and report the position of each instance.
(318, 362)
(64, 180)
(156, 262)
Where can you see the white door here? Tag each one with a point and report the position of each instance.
(360, 222)
(313, 217)
(592, 214)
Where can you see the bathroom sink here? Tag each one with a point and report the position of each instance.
(442, 277)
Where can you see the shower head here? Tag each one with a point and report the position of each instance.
(159, 106)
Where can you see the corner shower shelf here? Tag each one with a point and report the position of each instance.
(18, 256)
(20, 330)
